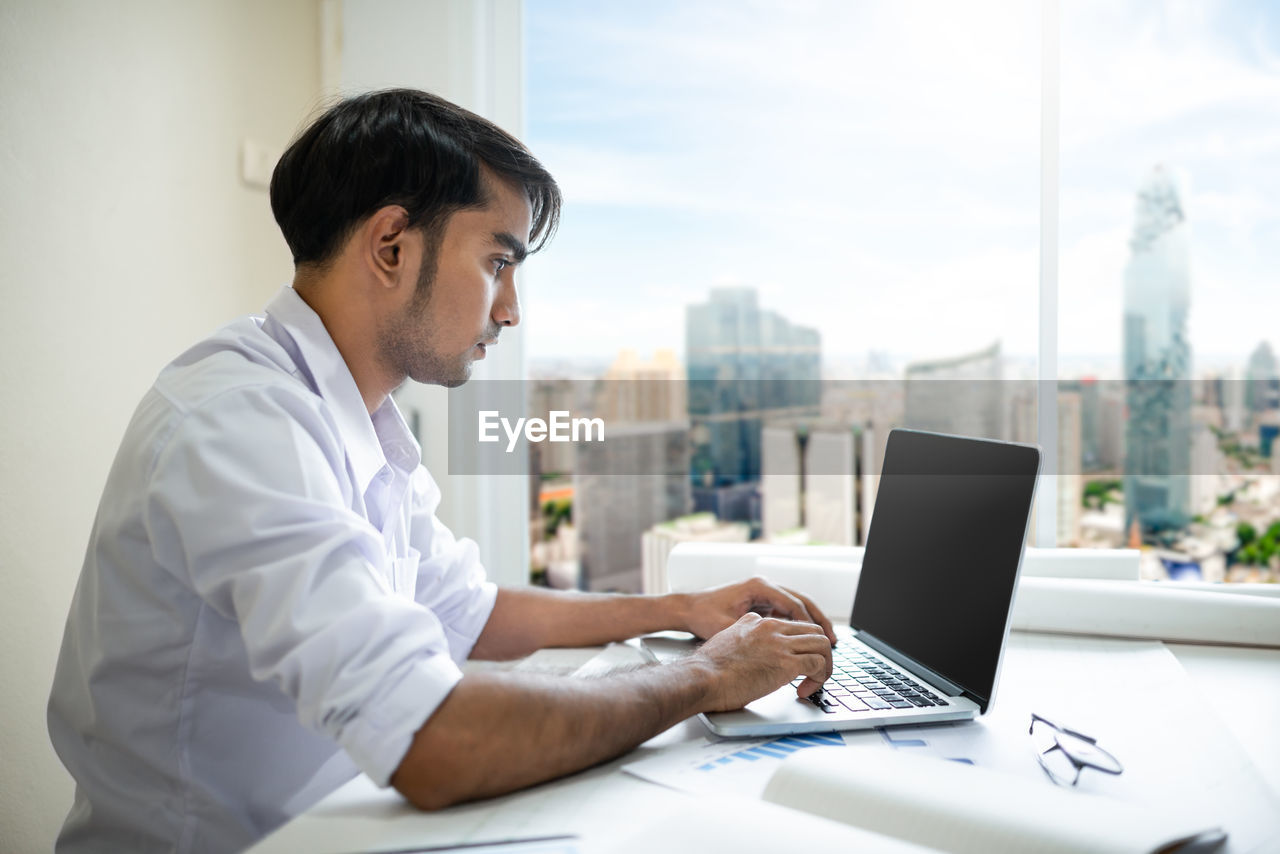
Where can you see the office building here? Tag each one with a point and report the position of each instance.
(731, 502)
(635, 479)
(1233, 401)
(961, 395)
(782, 478)
(814, 480)
(1111, 427)
(1157, 361)
(1262, 381)
(1070, 481)
(1268, 434)
(745, 364)
(1101, 422)
(658, 541)
(633, 390)
(1021, 423)
(1208, 465)
(555, 395)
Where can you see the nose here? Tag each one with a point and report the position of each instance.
(506, 307)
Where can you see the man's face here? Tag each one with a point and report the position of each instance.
(470, 292)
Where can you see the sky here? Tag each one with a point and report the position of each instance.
(872, 169)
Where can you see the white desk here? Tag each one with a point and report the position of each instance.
(1241, 688)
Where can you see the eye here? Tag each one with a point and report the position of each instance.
(500, 264)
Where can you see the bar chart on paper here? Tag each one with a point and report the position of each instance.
(777, 749)
(737, 767)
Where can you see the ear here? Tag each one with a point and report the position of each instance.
(386, 234)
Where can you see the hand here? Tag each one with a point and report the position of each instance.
(757, 655)
(714, 610)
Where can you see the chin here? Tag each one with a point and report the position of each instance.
(453, 378)
(454, 382)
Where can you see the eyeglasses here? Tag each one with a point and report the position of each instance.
(1077, 749)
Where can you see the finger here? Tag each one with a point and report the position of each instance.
(816, 672)
(791, 627)
(807, 688)
(814, 654)
(813, 644)
(780, 601)
(815, 612)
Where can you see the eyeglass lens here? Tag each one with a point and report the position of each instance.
(1064, 754)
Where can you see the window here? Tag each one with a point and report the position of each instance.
(1169, 225)
(789, 228)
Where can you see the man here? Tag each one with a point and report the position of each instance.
(268, 604)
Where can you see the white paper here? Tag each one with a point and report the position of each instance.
(967, 810)
(1138, 702)
(714, 825)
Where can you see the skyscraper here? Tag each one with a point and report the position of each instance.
(1261, 380)
(744, 364)
(1157, 360)
(623, 487)
(815, 477)
(1068, 479)
(633, 390)
(961, 395)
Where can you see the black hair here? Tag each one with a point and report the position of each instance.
(398, 147)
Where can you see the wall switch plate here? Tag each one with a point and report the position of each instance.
(257, 162)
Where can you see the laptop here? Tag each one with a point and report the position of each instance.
(932, 610)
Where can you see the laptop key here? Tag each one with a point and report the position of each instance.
(853, 704)
(900, 704)
(823, 703)
(877, 704)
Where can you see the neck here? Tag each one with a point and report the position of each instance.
(353, 328)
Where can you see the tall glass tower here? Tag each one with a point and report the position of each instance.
(745, 364)
(1157, 361)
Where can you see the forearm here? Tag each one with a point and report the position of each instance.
(528, 619)
(499, 732)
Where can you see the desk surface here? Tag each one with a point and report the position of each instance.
(1239, 695)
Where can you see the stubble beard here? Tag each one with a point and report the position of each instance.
(406, 341)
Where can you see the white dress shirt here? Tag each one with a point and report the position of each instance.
(268, 604)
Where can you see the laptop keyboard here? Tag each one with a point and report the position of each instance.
(861, 681)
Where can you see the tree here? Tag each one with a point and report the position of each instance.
(1246, 533)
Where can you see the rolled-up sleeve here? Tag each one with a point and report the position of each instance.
(451, 579)
(261, 531)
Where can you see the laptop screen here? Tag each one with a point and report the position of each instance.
(943, 551)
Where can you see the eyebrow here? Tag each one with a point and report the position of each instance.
(518, 250)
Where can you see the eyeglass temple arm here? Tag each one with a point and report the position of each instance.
(1059, 728)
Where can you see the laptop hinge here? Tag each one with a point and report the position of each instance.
(910, 663)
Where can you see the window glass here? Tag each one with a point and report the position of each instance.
(1170, 242)
(788, 227)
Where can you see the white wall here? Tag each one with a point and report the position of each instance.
(125, 235)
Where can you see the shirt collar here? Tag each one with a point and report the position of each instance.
(296, 327)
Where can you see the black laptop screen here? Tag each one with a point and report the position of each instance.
(942, 556)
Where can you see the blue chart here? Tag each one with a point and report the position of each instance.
(726, 767)
(779, 748)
